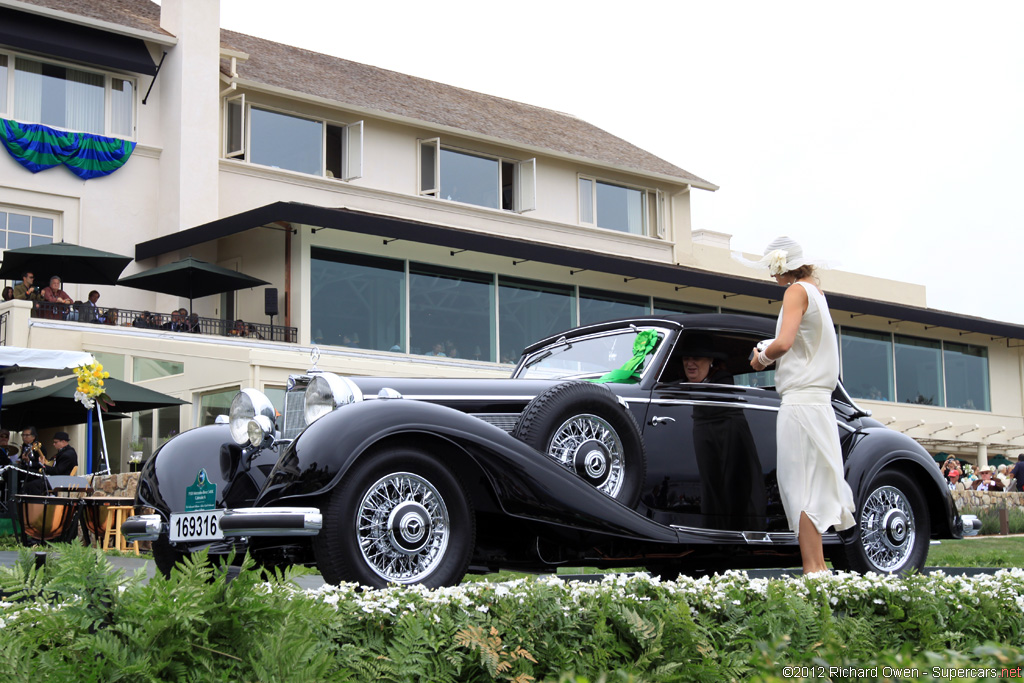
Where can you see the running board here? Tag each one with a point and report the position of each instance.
(773, 538)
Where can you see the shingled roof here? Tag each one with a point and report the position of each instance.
(376, 89)
(141, 15)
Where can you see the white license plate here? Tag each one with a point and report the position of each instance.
(196, 526)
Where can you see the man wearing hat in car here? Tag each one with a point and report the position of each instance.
(63, 462)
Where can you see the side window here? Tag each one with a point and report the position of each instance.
(715, 358)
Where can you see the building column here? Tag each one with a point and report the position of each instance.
(982, 455)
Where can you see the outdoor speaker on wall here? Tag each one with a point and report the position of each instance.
(270, 304)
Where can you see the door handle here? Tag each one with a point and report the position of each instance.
(659, 420)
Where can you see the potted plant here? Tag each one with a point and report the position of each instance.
(135, 459)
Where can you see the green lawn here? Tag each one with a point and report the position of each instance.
(985, 551)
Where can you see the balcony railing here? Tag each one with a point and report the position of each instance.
(158, 321)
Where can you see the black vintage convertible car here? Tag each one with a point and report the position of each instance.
(597, 451)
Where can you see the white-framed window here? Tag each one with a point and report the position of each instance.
(616, 206)
(26, 227)
(65, 97)
(469, 177)
(282, 139)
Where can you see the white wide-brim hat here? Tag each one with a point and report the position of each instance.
(782, 255)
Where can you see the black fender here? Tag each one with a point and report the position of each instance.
(176, 464)
(877, 448)
(524, 482)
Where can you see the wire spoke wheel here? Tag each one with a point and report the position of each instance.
(400, 515)
(887, 528)
(894, 528)
(402, 527)
(589, 446)
(584, 428)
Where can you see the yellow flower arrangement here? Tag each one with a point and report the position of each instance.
(90, 385)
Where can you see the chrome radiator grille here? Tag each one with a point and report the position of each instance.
(294, 399)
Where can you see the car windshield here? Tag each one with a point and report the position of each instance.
(587, 356)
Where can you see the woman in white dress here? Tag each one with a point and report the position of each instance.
(805, 351)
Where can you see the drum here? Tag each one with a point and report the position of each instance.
(47, 518)
(97, 511)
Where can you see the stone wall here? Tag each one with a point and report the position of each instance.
(116, 485)
(988, 500)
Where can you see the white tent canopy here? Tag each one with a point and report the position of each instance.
(19, 365)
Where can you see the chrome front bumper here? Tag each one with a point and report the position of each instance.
(268, 521)
(271, 521)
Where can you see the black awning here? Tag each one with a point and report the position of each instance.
(48, 36)
(456, 238)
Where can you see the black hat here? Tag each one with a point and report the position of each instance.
(61, 436)
(699, 345)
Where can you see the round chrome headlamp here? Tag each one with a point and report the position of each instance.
(259, 428)
(247, 404)
(326, 392)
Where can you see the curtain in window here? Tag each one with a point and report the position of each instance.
(634, 212)
(38, 147)
(121, 100)
(83, 102)
(28, 90)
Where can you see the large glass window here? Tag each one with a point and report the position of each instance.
(529, 311)
(967, 384)
(154, 368)
(477, 179)
(68, 98)
(285, 141)
(111, 362)
(470, 179)
(213, 403)
(357, 300)
(598, 305)
(151, 428)
(867, 364)
(19, 229)
(918, 371)
(296, 143)
(451, 312)
(669, 307)
(615, 207)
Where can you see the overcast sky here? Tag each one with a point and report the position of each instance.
(887, 136)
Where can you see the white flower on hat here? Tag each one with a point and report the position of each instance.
(777, 262)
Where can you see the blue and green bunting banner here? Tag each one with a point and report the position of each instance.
(38, 147)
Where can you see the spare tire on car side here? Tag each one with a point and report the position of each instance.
(585, 428)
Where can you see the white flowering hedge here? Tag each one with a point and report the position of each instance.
(76, 620)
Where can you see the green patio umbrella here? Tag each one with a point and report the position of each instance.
(72, 262)
(190, 278)
(59, 398)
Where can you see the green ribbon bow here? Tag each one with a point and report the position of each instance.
(643, 344)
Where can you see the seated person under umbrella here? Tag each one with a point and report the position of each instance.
(64, 461)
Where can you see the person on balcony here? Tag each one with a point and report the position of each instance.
(58, 303)
(26, 290)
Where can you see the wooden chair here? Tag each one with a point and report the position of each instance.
(116, 516)
(74, 470)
